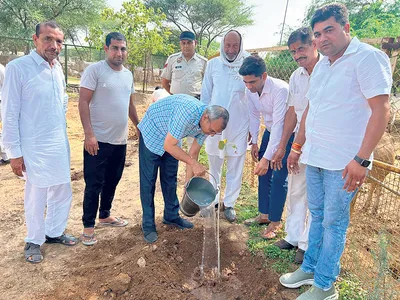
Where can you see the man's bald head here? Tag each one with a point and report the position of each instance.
(232, 43)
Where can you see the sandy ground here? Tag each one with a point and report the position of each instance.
(109, 269)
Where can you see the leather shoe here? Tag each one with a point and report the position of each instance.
(299, 257)
(256, 221)
(180, 223)
(284, 245)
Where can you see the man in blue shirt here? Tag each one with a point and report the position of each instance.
(162, 128)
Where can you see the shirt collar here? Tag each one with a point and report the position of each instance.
(303, 71)
(267, 86)
(351, 48)
(193, 57)
(36, 57)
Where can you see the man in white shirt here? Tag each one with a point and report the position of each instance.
(35, 139)
(3, 156)
(297, 225)
(106, 100)
(347, 114)
(267, 98)
(222, 85)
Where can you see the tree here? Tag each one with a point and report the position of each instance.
(19, 17)
(207, 19)
(142, 28)
(368, 18)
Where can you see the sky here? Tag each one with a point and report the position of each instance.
(267, 19)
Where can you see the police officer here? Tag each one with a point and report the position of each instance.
(183, 72)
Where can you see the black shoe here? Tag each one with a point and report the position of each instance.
(284, 245)
(180, 223)
(299, 257)
(150, 236)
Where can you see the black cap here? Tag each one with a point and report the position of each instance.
(187, 35)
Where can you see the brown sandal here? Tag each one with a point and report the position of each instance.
(257, 221)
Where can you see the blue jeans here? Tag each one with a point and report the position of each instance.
(272, 187)
(329, 205)
(149, 163)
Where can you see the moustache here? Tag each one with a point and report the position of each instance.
(301, 58)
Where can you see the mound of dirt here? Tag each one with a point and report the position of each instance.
(114, 268)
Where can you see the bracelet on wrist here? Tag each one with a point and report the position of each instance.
(296, 146)
(296, 151)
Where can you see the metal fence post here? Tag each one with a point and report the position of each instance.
(65, 63)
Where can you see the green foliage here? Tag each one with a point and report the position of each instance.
(18, 17)
(368, 19)
(349, 288)
(141, 26)
(280, 65)
(207, 19)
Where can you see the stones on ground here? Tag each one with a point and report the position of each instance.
(141, 262)
(118, 285)
(179, 259)
(153, 248)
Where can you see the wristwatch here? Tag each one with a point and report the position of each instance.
(363, 162)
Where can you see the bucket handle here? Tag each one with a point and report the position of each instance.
(216, 183)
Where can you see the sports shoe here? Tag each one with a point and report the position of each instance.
(296, 279)
(315, 293)
(284, 245)
(230, 214)
(180, 223)
(299, 257)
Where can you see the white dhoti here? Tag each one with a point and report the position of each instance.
(58, 200)
(234, 172)
(298, 218)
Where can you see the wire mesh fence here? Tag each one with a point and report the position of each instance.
(75, 58)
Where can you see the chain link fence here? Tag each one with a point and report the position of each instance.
(75, 58)
(372, 254)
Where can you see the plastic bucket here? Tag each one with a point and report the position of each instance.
(199, 193)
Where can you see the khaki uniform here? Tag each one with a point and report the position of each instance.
(185, 76)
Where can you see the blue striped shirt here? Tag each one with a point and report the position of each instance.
(177, 114)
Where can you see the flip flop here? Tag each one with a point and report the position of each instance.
(269, 233)
(88, 239)
(64, 239)
(117, 223)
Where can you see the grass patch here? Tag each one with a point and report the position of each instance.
(73, 80)
(281, 261)
(349, 288)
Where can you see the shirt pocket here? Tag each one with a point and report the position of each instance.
(178, 73)
(299, 102)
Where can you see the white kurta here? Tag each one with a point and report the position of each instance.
(222, 85)
(34, 124)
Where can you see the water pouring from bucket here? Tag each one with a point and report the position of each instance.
(199, 193)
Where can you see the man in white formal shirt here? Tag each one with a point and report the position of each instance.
(347, 114)
(35, 139)
(297, 225)
(267, 98)
(222, 85)
(3, 155)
